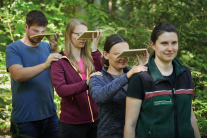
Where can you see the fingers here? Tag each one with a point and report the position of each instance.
(56, 36)
(138, 59)
(52, 57)
(140, 68)
(98, 36)
(96, 73)
(55, 56)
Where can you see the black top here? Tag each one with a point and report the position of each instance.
(135, 85)
(171, 78)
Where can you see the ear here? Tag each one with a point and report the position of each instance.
(26, 27)
(66, 33)
(105, 54)
(152, 44)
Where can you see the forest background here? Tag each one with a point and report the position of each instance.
(133, 19)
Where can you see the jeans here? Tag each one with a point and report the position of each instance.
(46, 128)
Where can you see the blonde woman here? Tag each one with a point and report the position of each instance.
(70, 77)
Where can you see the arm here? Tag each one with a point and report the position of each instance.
(133, 106)
(104, 92)
(96, 54)
(97, 60)
(20, 73)
(57, 73)
(194, 124)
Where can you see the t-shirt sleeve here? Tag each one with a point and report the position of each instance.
(135, 87)
(12, 56)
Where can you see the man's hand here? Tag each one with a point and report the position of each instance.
(52, 57)
(53, 43)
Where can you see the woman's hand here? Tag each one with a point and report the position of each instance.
(144, 58)
(136, 69)
(93, 74)
(94, 44)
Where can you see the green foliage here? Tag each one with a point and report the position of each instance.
(133, 19)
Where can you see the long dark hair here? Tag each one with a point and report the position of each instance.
(110, 42)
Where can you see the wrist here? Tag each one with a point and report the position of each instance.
(55, 51)
(128, 74)
(44, 66)
(94, 49)
(86, 83)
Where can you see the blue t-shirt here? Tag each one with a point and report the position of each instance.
(32, 100)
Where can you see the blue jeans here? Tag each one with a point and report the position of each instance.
(46, 128)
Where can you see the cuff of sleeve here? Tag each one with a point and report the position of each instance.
(126, 77)
(95, 51)
(86, 83)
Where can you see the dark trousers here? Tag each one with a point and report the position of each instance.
(88, 130)
(46, 128)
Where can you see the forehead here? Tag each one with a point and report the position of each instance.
(80, 28)
(119, 47)
(35, 26)
(168, 36)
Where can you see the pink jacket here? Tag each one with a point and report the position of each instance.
(76, 106)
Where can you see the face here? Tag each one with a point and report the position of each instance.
(78, 30)
(166, 47)
(117, 63)
(34, 30)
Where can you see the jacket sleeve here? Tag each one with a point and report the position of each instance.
(97, 60)
(58, 79)
(101, 92)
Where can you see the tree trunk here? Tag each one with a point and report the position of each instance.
(1, 3)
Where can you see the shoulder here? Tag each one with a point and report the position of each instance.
(186, 68)
(97, 78)
(135, 77)
(59, 62)
(13, 45)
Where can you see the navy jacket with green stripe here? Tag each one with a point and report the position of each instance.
(166, 108)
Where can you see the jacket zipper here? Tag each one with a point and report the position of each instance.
(87, 76)
(86, 90)
(175, 107)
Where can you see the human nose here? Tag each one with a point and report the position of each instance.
(170, 47)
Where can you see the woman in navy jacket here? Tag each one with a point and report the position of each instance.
(109, 90)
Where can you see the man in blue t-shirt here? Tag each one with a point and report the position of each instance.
(28, 60)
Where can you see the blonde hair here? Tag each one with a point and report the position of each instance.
(85, 54)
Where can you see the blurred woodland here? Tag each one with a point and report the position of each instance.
(133, 19)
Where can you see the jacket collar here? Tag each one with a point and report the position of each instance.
(156, 74)
(126, 69)
(65, 57)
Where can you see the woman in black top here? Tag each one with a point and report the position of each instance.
(159, 101)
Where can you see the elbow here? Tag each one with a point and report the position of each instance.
(95, 97)
(18, 78)
(98, 99)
